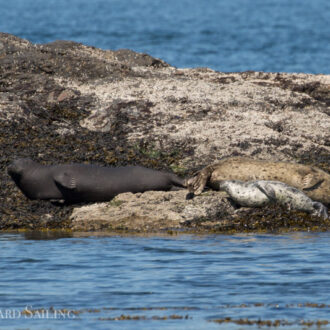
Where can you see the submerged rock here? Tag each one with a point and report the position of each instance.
(64, 102)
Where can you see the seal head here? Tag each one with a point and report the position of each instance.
(18, 166)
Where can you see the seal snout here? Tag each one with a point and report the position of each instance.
(18, 165)
(14, 172)
(14, 168)
(11, 169)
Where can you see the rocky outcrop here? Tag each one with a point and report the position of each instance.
(170, 212)
(151, 211)
(66, 102)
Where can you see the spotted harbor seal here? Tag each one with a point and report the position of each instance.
(311, 180)
(260, 193)
(75, 183)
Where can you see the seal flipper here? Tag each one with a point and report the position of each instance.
(191, 183)
(197, 183)
(310, 179)
(311, 182)
(320, 210)
(268, 191)
(65, 180)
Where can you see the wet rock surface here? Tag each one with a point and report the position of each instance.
(64, 102)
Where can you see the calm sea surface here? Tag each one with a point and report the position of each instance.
(191, 280)
(226, 35)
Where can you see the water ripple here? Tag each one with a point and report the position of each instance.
(230, 36)
(244, 276)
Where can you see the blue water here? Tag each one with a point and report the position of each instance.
(197, 278)
(226, 35)
(201, 278)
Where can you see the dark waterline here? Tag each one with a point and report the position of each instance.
(284, 277)
(226, 35)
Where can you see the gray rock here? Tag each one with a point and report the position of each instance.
(66, 102)
(152, 211)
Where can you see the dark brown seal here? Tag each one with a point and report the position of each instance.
(76, 183)
(311, 180)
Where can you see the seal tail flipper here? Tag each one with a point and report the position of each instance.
(178, 182)
(197, 183)
(190, 183)
(65, 180)
(268, 191)
(320, 210)
(201, 183)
